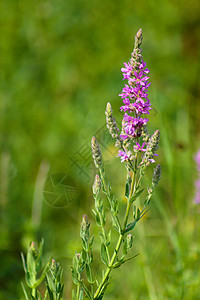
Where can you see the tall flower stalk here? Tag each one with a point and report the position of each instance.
(137, 150)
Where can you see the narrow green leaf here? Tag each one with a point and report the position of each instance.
(98, 219)
(115, 224)
(128, 187)
(130, 226)
(50, 293)
(88, 273)
(75, 276)
(103, 241)
(136, 195)
(24, 262)
(108, 238)
(104, 256)
(25, 292)
(138, 214)
(91, 242)
(84, 255)
(85, 289)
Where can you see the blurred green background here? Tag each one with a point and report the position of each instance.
(60, 64)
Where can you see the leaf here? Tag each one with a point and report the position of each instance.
(88, 273)
(138, 214)
(24, 262)
(128, 187)
(130, 226)
(91, 258)
(39, 256)
(115, 205)
(104, 256)
(84, 255)
(103, 241)
(108, 238)
(91, 242)
(115, 224)
(50, 293)
(77, 282)
(25, 292)
(51, 283)
(98, 221)
(85, 289)
(122, 261)
(136, 195)
(75, 276)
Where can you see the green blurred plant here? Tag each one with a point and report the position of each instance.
(35, 274)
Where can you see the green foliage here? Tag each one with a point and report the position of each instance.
(35, 274)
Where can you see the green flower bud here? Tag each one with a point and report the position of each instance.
(136, 54)
(152, 147)
(85, 225)
(129, 240)
(97, 185)
(156, 175)
(111, 123)
(96, 153)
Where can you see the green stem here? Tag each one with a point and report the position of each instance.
(78, 286)
(109, 268)
(107, 192)
(90, 270)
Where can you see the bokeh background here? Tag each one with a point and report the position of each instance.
(60, 64)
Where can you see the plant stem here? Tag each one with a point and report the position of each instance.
(78, 286)
(109, 268)
(105, 238)
(107, 192)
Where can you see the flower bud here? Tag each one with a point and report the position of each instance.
(85, 225)
(34, 250)
(96, 153)
(111, 123)
(152, 147)
(97, 185)
(129, 240)
(156, 175)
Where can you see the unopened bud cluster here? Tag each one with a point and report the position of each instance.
(111, 123)
(156, 175)
(85, 225)
(152, 147)
(97, 185)
(96, 153)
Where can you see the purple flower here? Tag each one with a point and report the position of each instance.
(132, 125)
(124, 156)
(137, 147)
(127, 70)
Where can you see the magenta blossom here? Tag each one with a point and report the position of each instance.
(124, 156)
(140, 148)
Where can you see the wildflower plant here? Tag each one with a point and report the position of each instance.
(137, 151)
(36, 274)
